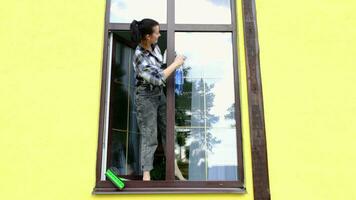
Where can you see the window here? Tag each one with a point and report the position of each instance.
(204, 122)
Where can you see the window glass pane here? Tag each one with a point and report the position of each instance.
(203, 12)
(123, 136)
(205, 111)
(124, 11)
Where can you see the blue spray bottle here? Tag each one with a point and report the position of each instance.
(179, 77)
(179, 81)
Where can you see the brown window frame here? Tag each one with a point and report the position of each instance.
(259, 153)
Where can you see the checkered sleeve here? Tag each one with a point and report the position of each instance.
(148, 72)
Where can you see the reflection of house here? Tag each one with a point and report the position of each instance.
(222, 173)
(60, 89)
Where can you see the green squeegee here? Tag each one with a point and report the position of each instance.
(113, 174)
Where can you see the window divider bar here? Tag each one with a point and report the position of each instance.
(126, 26)
(181, 27)
(204, 27)
(170, 94)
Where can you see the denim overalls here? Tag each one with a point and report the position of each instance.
(151, 117)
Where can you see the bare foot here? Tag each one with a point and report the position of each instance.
(146, 176)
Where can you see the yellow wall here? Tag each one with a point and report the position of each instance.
(51, 55)
(50, 75)
(308, 75)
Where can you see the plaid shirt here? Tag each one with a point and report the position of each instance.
(148, 65)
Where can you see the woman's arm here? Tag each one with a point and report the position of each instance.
(179, 60)
(153, 74)
(170, 69)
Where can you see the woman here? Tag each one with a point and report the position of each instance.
(149, 96)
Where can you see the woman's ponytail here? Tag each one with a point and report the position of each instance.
(135, 31)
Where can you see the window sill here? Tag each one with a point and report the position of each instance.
(164, 187)
(160, 190)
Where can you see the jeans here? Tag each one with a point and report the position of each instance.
(151, 118)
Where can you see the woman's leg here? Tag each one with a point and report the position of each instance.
(147, 121)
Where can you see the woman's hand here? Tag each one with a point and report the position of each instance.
(179, 60)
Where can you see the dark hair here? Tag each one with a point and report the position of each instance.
(141, 28)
